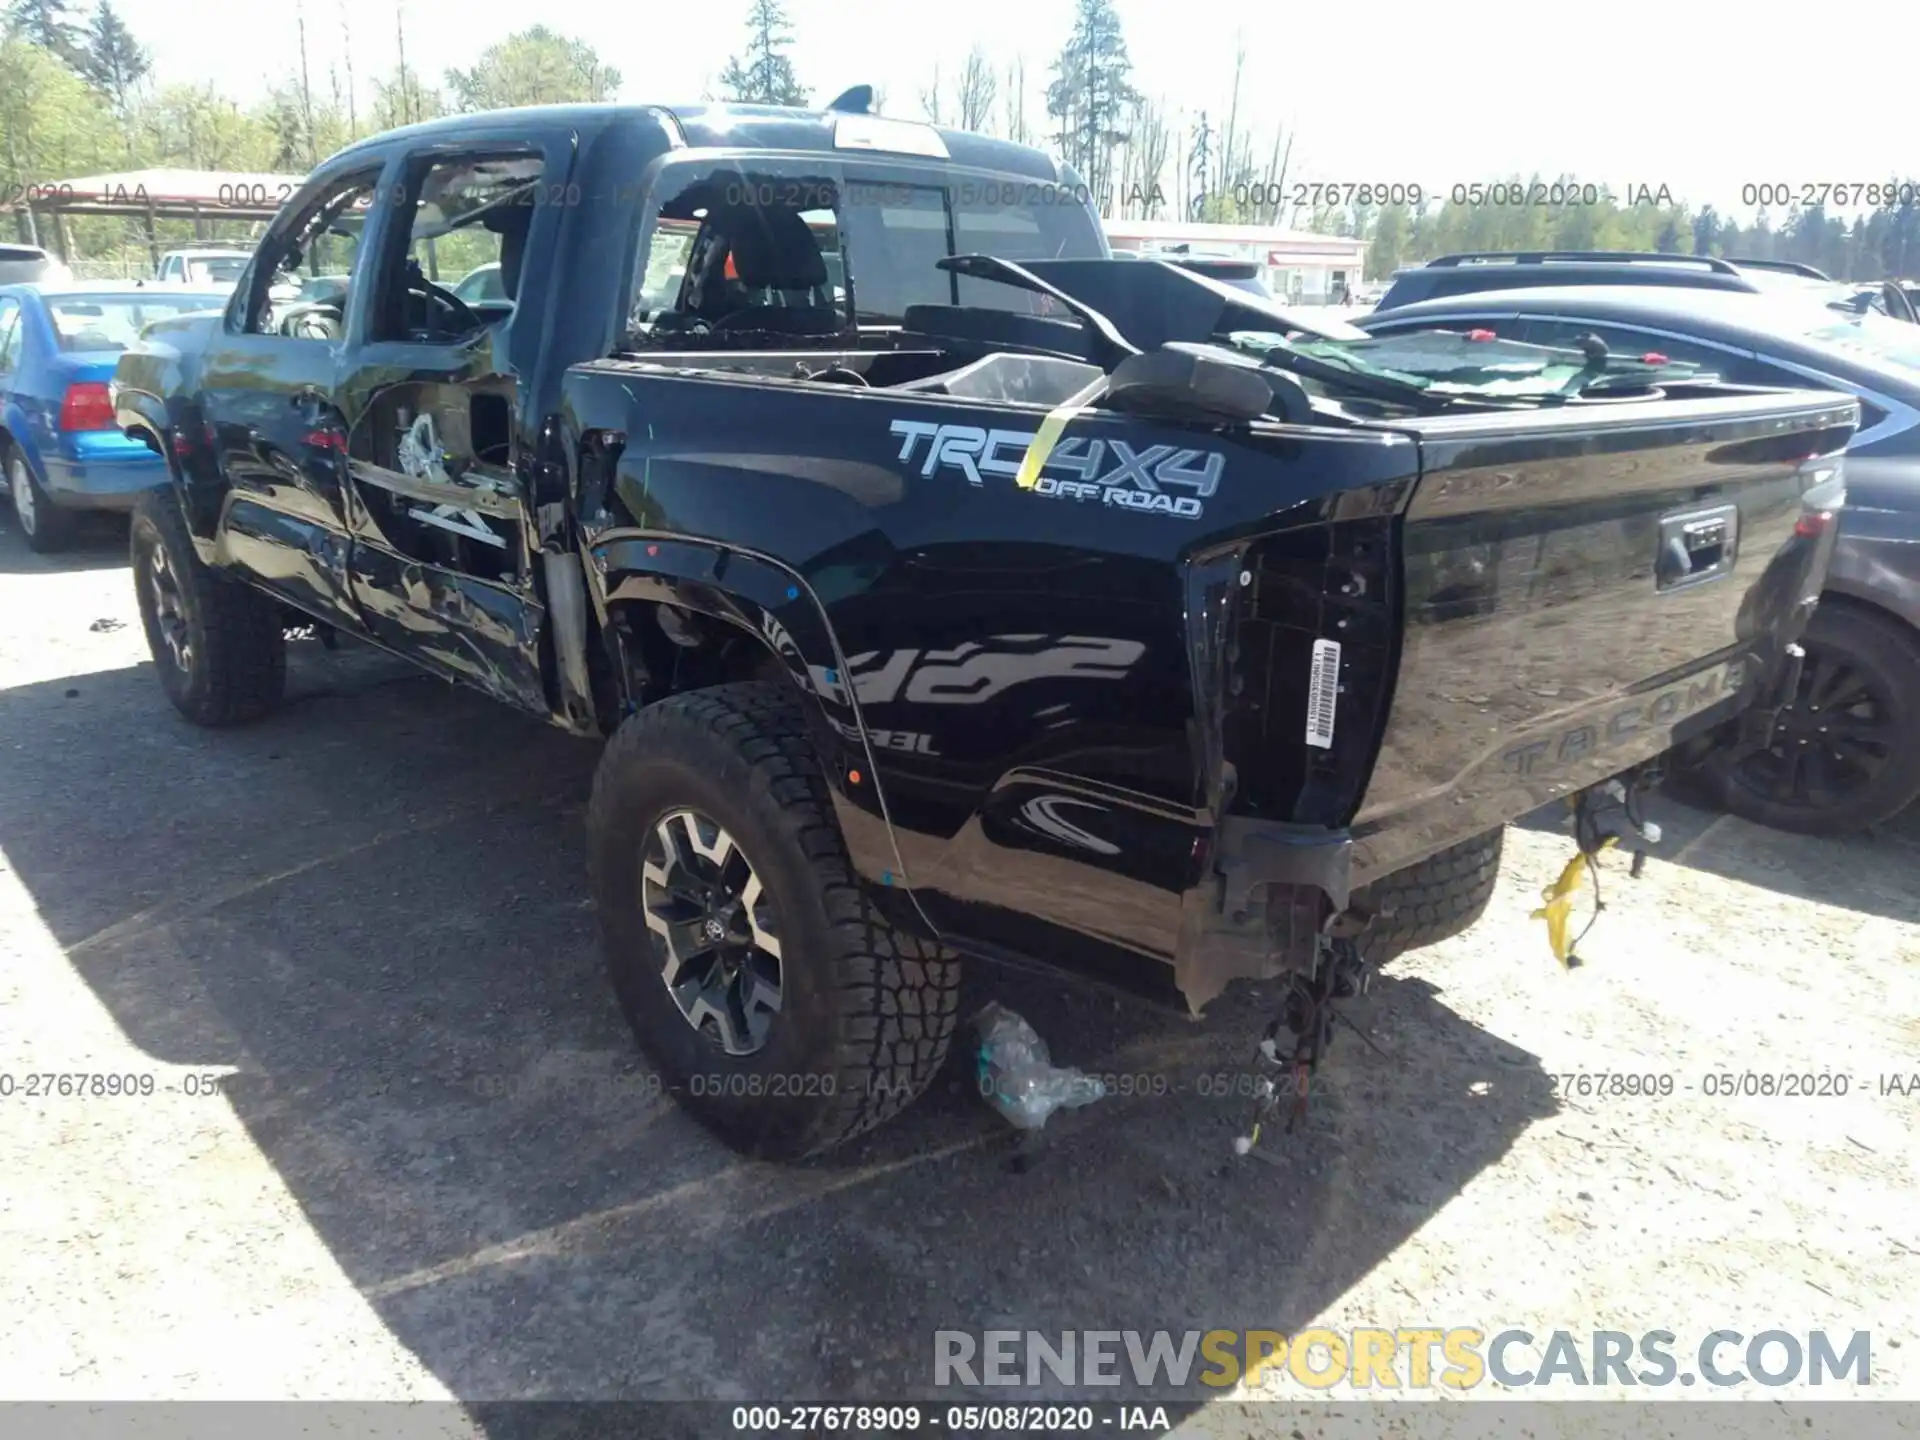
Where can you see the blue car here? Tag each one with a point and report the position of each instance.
(60, 450)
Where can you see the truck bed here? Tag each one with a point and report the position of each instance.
(1119, 721)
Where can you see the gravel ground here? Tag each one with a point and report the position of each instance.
(438, 1169)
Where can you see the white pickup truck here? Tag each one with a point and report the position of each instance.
(220, 268)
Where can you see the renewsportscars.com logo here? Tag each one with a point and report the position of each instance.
(1416, 1358)
(1111, 472)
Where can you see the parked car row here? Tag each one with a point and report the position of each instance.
(1846, 753)
(61, 452)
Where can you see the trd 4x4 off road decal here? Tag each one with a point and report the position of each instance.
(1112, 472)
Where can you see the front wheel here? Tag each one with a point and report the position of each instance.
(219, 646)
(781, 1008)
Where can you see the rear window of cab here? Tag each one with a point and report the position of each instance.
(879, 238)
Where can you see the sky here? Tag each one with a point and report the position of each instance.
(1696, 98)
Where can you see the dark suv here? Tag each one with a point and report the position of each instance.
(1478, 270)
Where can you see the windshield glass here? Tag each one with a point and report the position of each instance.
(113, 322)
(216, 269)
(482, 284)
(1476, 363)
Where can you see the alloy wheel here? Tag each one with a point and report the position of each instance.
(169, 608)
(714, 929)
(1828, 745)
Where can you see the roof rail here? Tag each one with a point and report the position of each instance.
(1787, 267)
(1543, 257)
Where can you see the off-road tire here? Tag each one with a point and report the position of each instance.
(1442, 896)
(1886, 652)
(238, 653)
(867, 1011)
(45, 526)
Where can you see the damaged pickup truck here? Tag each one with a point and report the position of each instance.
(946, 587)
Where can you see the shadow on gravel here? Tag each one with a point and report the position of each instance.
(373, 905)
(99, 543)
(1871, 874)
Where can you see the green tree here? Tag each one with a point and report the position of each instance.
(536, 66)
(1707, 228)
(52, 126)
(764, 74)
(403, 98)
(304, 130)
(116, 62)
(52, 26)
(1392, 229)
(1092, 93)
(197, 128)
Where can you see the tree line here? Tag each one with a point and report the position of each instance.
(1877, 244)
(1144, 158)
(78, 97)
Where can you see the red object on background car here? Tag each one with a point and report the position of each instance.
(1653, 357)
(1813, 524)
(87, 406)
(1481, 335)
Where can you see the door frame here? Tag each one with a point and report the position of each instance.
(488, 630)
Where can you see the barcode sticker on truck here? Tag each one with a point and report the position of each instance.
(1323, 693)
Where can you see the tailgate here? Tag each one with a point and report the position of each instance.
(1582, 588)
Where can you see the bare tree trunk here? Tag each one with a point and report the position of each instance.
(346, 39)
(978, 87)
(1016, 102)
(1285, 215)
(930, 98)
(306, 87)
(406, 80)
(1230, 143)
(1270, 198)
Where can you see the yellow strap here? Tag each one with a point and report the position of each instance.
(1558, 910)
(1048, 435)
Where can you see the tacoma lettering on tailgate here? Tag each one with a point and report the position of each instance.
(1661, 709)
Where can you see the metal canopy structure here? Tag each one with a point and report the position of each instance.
(147, 196)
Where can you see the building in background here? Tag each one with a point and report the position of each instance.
(1299, 266)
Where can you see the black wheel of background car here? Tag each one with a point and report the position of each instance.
(45, 525)
(782, 1009)
(1845, 754)
(218, 646)
(1435, 900)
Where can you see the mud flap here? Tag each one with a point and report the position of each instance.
(1258, 912)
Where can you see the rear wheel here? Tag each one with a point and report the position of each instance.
(784, 1012)
(45, 525)
(218, 645)
(1442, 896)
(1845, 754)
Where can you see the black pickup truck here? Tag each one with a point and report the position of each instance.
(947, 587)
